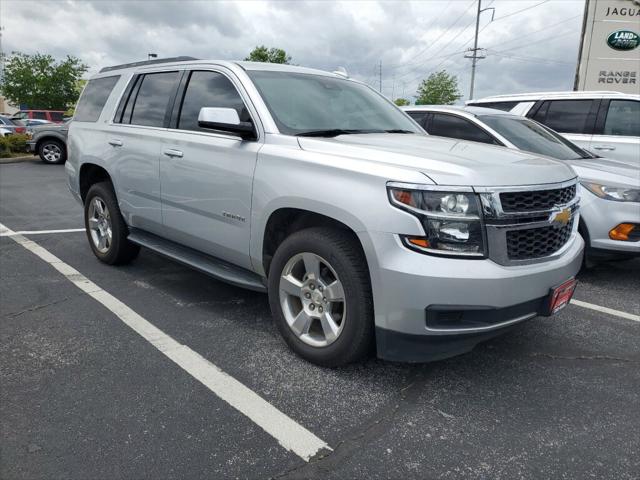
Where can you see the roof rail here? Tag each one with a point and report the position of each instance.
(566, 92)
(147, 62)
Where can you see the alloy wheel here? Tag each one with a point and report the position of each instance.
(100, 225)
(312, 299)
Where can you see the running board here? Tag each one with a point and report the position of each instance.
(214, 267)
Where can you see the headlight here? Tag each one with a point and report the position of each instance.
(609, 192)
(451, 220)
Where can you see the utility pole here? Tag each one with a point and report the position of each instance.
(474, 59)
(380, 78)
(476, 53)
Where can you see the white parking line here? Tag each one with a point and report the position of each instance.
(610, 311)
(4, 232)
(291, 435)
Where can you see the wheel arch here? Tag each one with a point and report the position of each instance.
(284, 221)
(90, 174)
(40, 141)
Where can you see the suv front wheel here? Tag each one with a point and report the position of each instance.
(320, 296)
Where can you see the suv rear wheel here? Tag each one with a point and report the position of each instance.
(105, 227)
(320, 296)
(52, 151)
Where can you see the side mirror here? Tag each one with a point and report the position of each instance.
(226, 120)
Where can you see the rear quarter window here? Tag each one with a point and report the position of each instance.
(93, 98)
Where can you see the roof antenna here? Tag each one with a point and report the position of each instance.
(342, 72)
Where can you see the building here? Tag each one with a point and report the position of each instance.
(609, 56)
(6, 108)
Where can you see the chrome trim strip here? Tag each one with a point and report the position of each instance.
(527, 188)
(435, 188)
(485, 328)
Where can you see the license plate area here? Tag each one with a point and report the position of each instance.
(560, 296)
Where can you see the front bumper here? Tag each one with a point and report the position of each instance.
(31, 146)
(409, 287)
(600, 216)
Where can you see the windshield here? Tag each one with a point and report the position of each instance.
(532, 137)
(302, 104)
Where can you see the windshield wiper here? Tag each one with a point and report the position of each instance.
(334, 132)
(398, 130)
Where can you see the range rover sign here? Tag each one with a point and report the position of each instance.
(623, 40)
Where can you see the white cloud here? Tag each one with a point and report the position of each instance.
(410, 38)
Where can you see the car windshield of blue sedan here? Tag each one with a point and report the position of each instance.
(320, 105)
(532, 137)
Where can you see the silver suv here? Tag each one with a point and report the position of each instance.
(314, 188)
(605, 123)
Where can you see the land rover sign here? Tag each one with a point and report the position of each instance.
(623, 40)
(610, 47)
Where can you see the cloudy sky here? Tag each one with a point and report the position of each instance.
(532, 45)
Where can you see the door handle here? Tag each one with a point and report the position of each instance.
(170, 152)
(115, 142)
(604, 147)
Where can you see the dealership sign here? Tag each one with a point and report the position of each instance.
(623, 40)
(610, 47)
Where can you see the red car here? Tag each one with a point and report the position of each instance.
(55, 116)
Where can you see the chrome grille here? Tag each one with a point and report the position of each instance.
(533, 243)
(524, 224)
(536, 200)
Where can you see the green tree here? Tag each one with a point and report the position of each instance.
(38, 81)
(268, 55)
(440, 88)
(401, 102)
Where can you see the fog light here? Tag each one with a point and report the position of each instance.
(622, 232)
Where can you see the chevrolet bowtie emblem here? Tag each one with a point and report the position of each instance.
(563, 217)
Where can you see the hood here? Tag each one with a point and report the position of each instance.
(445, 161)
(606, 170)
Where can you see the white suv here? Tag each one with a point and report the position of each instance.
(606, 123)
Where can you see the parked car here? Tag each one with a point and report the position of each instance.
(605, 123)
(49, 141)
(30, 124)
(316, 189)
(609, 189)
(55, 116)
(14, 126)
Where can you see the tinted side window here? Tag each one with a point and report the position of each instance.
(93, 98)
(150, 105)
(566, 116)
(623, 118)
(418, 116)
(504, 106)
(40, 115)
(445, 125)
(56, 116)
(208, 89)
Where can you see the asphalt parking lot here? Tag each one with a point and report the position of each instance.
(84, 396)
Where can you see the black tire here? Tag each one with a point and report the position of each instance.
(50, 143)
(121, 250)
(343, 252)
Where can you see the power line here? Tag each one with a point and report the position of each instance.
(439, 38)
(546, 39)
(520, 37)
(520, 11)
(526, 58)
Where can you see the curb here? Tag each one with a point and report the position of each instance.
(17, 159)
